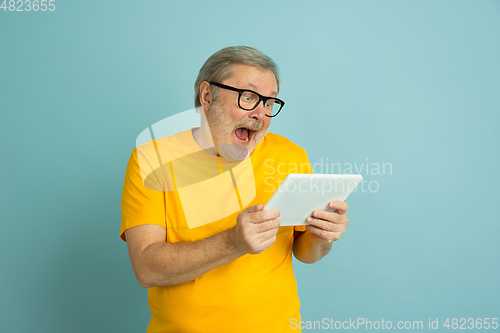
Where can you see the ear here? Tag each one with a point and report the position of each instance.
(206, 96)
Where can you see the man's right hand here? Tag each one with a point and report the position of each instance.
(255, 229)
(159, 263)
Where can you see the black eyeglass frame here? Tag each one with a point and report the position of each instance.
(261, 98)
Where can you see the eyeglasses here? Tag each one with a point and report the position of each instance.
(248, 100)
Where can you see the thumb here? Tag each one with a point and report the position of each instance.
(255, 208)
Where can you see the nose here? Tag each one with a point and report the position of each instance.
(259, 113)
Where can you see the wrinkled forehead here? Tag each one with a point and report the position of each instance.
(253, 78)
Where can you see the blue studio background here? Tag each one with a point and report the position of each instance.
(413, 85)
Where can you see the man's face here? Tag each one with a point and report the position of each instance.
(237, 132)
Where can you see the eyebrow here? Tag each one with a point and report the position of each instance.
(273, 94)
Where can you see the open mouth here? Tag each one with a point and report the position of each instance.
(244, 134)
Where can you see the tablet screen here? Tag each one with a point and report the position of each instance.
(301, 194)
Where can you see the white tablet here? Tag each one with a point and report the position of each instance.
(301, 194)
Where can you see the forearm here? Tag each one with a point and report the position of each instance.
(309, 248)
(165, 264)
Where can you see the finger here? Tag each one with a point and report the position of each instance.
(265, 215)
(256, 214)
(339, 206)
(268, 225)
(268, 214)
(330, 216)
(267, 243)
(255, 208)
(327, 226)
(324, 215)
(324, 225)
(326, 235)
(264, 236)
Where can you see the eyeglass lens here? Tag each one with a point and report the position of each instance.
(249, 100)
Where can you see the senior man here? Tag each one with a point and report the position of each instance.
(235, 273)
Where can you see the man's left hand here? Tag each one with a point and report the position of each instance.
(329, 226)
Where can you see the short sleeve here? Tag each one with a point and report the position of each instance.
(139, 205)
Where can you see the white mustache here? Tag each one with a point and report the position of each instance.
(249, 124)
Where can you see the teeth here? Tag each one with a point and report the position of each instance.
(247, 138)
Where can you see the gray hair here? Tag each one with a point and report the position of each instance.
(219, 67)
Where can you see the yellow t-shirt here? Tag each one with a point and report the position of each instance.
(254, 293)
